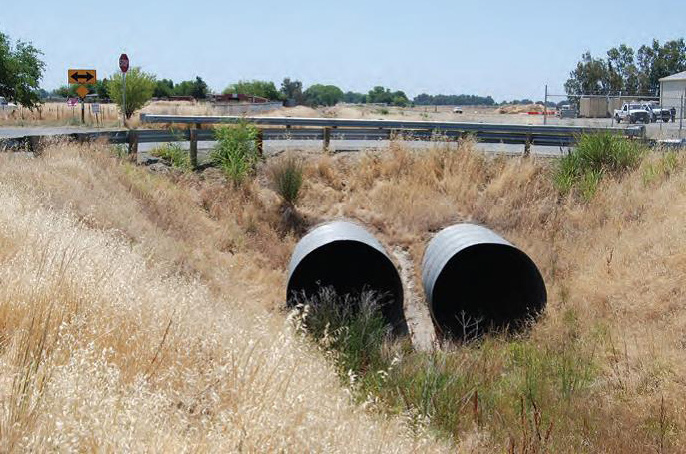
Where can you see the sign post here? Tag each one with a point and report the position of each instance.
(124, 67)
(82, 77)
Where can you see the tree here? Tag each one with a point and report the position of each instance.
(196, 88)
(199, 90)
(623, 73)
(139, 89)
(627, 72)
(323, 95)
(657, 61)
(591, 76)
(292, 89)
(100, 88)
(354, 98)
(424, 99)
(163, 88)
(261, 88)
(379, 95)
(20, 72)
(65, 91)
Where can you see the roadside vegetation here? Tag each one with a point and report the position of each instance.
(173, 155)
(236, 152)
(187, 347)
(595, 157)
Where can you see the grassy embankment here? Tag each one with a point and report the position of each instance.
(147, 308)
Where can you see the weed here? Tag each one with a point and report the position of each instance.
(174, 155)
(236, 152)
(353, 327)
(286, 178)
(595, 156)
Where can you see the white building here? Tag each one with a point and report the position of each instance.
(673, 90)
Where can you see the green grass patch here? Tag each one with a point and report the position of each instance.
(519, 391)
(174, 155)
(596, 156)
(236, 151)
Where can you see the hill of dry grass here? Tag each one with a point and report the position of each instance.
(133, 319)
(145, 310)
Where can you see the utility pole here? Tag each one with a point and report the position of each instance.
(545, 106)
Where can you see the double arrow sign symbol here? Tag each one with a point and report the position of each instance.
(78, 77)
(82, 76)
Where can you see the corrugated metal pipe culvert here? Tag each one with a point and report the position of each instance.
(346, 257)
(476, 281)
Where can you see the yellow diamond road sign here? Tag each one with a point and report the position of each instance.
(81, 76)
(82, 91)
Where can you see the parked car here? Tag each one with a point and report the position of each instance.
(632, 112)
(567, 111)
(657, 112)
(457, 110)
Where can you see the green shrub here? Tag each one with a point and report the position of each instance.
(383, 111)
(236, 152)
(139, 89)
(286, 178)
(595, 156)
(352, 327)
(173, 155)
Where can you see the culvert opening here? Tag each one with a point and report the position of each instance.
(487, 287)
(350, 268)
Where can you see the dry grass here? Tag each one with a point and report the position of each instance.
(59, 113)
(142, 310)
(614, 268)
(132, 319)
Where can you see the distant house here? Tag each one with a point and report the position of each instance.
(673, 90)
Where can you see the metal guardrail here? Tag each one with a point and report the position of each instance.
(355, 129)
(327, 129)
(389, 124)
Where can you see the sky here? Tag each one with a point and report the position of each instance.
(504, 48)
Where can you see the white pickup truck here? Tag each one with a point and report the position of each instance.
(633, 112)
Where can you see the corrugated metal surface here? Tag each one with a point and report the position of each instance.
(345, 256)
(471, 271)
(329, 233)
(448, 243)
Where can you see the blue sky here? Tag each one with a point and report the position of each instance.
(504, 48)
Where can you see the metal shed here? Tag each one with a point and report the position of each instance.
(673, 92)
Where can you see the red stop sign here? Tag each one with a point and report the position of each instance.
(124, 63)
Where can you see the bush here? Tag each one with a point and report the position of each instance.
(173, 155)
(595, 156)
(352, 327)
(236, 153)
(139, 89)
(287, 177)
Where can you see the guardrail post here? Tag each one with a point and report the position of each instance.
(34, 144)
(133, 144)
(327, 139)
(194, 148)
(260, 143)
(527, 146)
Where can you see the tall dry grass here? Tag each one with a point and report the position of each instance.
(128, 323)
(59, 113)
(613, 265)
(144, 310)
